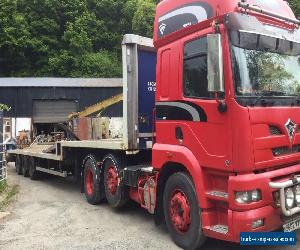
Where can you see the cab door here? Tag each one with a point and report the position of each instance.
(190, 115)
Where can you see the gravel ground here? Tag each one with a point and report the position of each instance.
(53, 214)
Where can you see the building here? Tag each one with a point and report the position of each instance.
(36, 103)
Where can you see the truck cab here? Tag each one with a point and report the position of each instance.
(228, 115)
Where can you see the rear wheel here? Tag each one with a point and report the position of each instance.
(33, 173)
(92, 181)
(182, 212)
(19, 167)
(25, 165)
(17, 163)
(116, 193)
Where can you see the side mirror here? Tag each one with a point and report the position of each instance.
(215, 63)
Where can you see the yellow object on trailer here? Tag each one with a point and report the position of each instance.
(98, 107)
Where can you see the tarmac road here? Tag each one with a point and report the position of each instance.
(52, 214)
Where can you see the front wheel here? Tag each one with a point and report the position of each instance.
(182, 212)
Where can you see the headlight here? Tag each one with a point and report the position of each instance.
(289, 198)
(246, 197)
(297, 194)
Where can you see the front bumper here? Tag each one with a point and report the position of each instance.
(242, 221)
(240, 217)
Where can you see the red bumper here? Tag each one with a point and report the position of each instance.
(240, 217)
(242, 221)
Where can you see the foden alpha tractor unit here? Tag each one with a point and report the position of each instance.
(210, 139)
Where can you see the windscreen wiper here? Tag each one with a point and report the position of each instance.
(268, 93)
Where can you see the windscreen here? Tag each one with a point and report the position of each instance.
(265, 66)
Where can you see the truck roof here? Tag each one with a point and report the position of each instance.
(172, 16)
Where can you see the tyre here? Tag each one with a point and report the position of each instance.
(92, 182)
(19, 162)
(25, 166)
(33, 173)
(116, 193)
(182, 212)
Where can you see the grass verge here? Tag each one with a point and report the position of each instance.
(6, 194)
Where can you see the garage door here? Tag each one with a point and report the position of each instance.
(53, 111)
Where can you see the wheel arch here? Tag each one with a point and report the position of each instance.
(170, 159)
(168, 169)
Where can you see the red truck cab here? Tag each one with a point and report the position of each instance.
(227, 117)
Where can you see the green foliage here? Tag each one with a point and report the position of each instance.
(7, 194)
(101, 64)
(68, 38)
(3, 186)
(71, 38)
(4, 107)
(144, 16)
(295, 5)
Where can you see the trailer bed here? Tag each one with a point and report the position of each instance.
(112, 144)
(36, 150)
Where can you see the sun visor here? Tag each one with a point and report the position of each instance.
(237, 21)
(248, 23)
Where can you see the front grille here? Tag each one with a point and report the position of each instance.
(286, 150)
(274, 130)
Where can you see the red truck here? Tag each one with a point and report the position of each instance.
(223, 152)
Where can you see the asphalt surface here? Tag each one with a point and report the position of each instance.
(52, 214)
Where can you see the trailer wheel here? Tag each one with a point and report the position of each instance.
(17, 163)
(92, 187)
(182, 212)
(25, 165)
(116, 193)
(19, 167)
(33, 173)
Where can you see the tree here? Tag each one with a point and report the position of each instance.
(14, 39)
(142, 23)
(63, 37)
(4, 107)
(295, 5)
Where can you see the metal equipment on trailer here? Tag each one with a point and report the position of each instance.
(211, 124)
(98, 107)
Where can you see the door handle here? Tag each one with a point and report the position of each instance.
(179, 134)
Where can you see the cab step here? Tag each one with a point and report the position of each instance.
(217, 195)
(222, 229)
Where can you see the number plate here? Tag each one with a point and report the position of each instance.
(292, 225)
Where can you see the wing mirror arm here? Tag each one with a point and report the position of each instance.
(222, 105)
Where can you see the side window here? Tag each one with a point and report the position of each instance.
(195, 69)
